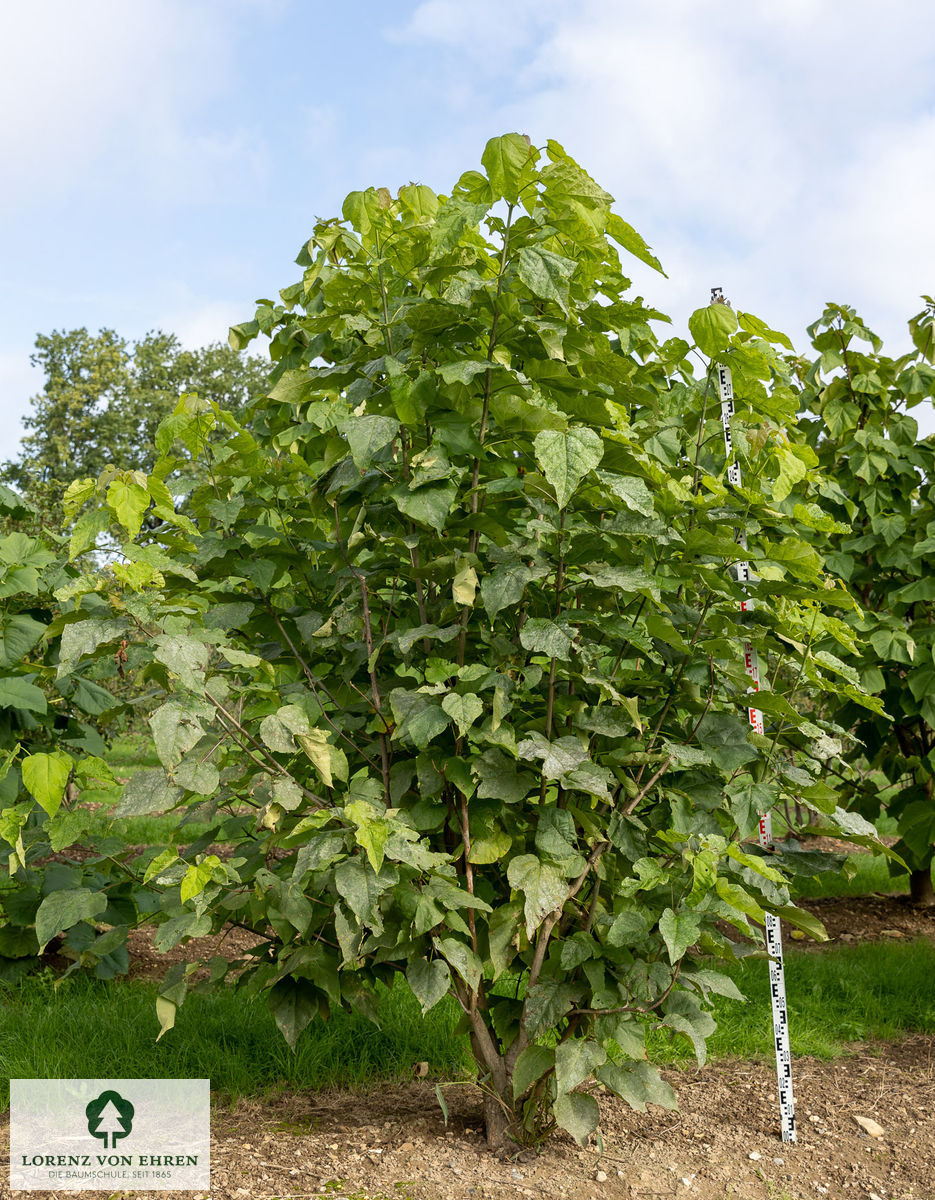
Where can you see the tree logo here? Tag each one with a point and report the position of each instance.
(109, 1116)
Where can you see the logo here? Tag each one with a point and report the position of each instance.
(109, 1116)
(128, 1136)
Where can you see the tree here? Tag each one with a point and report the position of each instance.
(49, 753)
(451, 649)
(880, 486)
(103, 399)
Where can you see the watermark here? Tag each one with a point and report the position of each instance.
(75, 1135)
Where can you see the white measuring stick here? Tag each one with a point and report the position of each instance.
(777, 977)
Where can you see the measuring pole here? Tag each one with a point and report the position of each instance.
(777, 975)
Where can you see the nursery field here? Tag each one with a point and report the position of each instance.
(355, 1111)
(424, 737)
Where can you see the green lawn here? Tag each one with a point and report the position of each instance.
(871, 874)
(89, 1029)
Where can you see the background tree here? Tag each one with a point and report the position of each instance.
(50, 749)
(450, 647)
(104, 397)
(880, 485)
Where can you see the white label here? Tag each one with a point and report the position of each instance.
(113, 1135)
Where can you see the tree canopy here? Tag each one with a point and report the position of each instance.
(103, 399)
(450, 646)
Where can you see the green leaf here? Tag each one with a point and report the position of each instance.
(462, 958)
(631, 490)
(175, 731)
(565, 458)
(61, 910)
(45, 775)
(80, 640)
(714, 981)
(184, 656)
(163, 860)
(578, 1114)
(627, 236)
(294, 1004)
(147, 792)
(543, 636)
(67, 828)
(128, 500)
(679, 931)
(429, 980)
(358, 885)
(18, 635)
(508, 161)
(276, 735)
(463, 710)
(558, 757)
(543, 886)
(711, 328)
(546, 274)
(17, 692)
(575, 1062)
(429, 505)
(504, 586)
(685, 1015)
(85, 531)
(531, 1065)
(638, 1084)
(367, 435)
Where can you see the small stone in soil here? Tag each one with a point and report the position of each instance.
(754, 1156)
(601, 1177)
(869, 1126)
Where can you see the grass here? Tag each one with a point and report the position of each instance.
(871, 874)
(873, 991)
(89, 1029)
(131, 752)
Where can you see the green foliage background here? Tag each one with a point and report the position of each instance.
(444, 642)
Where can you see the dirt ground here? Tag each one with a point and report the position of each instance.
(848, 919)
(722, 1145)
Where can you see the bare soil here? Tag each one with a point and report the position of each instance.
(848, 919)
(724, 1143)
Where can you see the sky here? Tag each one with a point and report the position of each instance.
(163, 161)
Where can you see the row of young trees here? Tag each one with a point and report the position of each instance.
(446, 642)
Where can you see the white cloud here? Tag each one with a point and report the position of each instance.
(786, 153)
(104, 91)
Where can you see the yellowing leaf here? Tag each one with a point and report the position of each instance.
(128, 500)
(45, 775)
(464, 586)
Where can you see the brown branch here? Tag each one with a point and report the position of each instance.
(468, 868)
(375, 689)
(642, 792)
(634, 1008)
(261, 750)
(316, 685)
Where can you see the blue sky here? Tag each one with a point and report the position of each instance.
(164, 161)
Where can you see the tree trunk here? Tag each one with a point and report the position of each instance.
(497, 1125)
(920, 887)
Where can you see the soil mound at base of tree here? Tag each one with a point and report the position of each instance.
(724, 1141)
